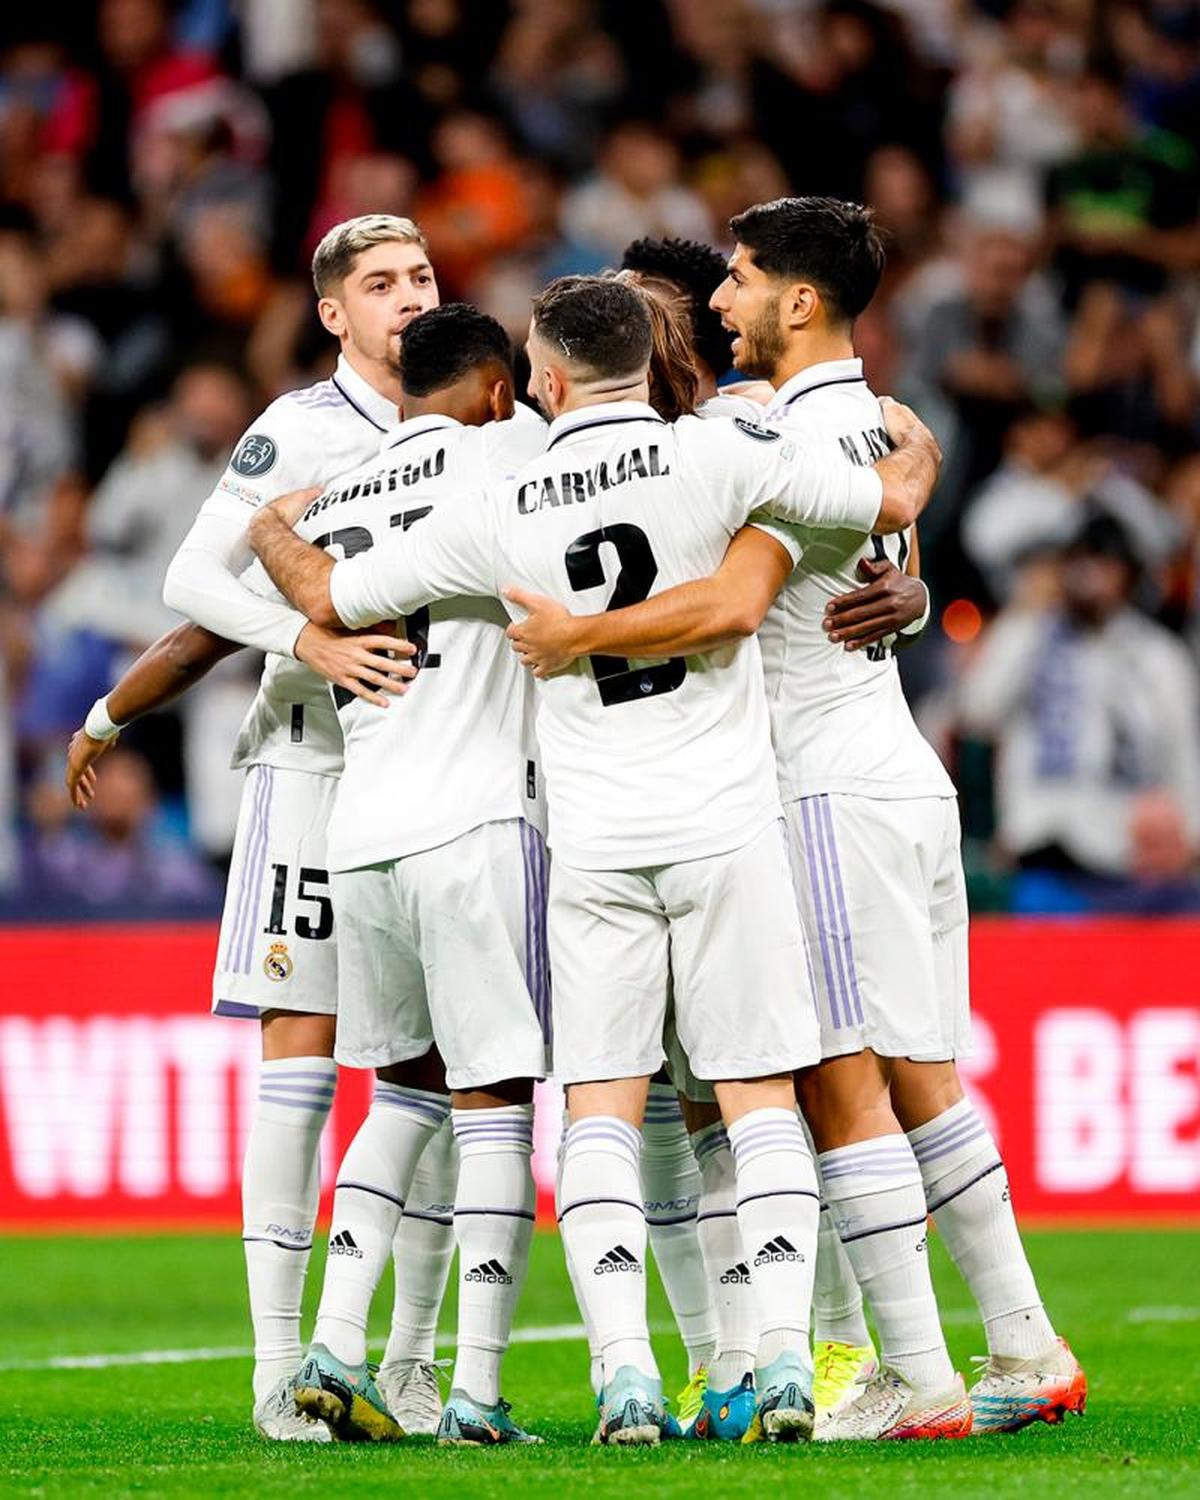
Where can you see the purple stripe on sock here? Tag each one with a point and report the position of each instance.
(814, 882)
(946, 1148)
(847, 939)
(934, 1137)
(294, 1101)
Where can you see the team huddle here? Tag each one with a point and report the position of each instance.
(581, 752)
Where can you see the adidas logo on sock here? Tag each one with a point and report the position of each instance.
(342, 1243)
(738, 1275)
(617, 1259)
(490, 1273)
(777, 1250)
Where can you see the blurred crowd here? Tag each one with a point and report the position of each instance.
(166, 169)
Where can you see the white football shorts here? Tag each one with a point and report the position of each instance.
(448, 946)
(879, 882)
(723, 930)
(278, 945)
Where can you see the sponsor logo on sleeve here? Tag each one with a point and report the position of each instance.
(256, 455)
(242, 492)
(753, 430)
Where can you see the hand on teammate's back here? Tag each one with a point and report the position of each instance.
(542, 640)
(887, 602)
(358, 661)
(906, 429)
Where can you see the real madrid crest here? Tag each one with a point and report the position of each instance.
(278, 963)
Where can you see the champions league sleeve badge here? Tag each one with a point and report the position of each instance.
(256, 455)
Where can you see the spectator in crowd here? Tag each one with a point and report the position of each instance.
(981, 349)
(635, 192)
(1096, 719)
(111, 604)
(1124, 207)
(115, 859)
(166, 169)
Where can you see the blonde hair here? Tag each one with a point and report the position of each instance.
(674, 376)
(334, 257)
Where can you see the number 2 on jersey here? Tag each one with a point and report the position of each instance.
(355, 539)
(615, 679)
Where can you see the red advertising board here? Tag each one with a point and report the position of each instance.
(122, 1102)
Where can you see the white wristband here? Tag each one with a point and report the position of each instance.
(98, 725)
(916, 627)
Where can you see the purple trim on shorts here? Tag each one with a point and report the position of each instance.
(241, 946)
(810, 858)
(537, 957)
(239, 905)
(847, 941)
(236, 1009)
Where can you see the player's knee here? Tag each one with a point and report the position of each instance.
(288, 1033)
(427, 1073)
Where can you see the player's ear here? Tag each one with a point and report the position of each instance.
(800, 304)
(332, 316)
(501, 400)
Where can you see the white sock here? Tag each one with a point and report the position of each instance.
(671, 1194)
(739, 1323)
(280, 1190)
(367, 1203)
(422, 1251)
(604, 1233)
(966, 1188)
(493, 1223)
(838, 1316)
(777, 1209)
(874, 1193)
(595, 1363)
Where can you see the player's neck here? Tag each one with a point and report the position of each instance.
(812, 349)
(378, 374)
(603, 393)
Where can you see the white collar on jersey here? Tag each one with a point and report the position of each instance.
(828, 372)
(602, 414)
(416, 427)
(364, 398)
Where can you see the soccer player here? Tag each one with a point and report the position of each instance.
(663, 805)
(438, 874)
(277, 953)
(874, 828)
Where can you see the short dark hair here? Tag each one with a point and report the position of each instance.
(698, 270)
(601, 325)
(442, 345)
(833, 244)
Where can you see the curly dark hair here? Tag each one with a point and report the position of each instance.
(698, 270)
(440, 346)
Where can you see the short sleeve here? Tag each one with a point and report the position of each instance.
(789, 537)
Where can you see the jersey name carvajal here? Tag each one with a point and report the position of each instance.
(457, 750)
(304, 438)
(647, 762)
(839, 719)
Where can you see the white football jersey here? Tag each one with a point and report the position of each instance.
(646, 762)
(304, 438)
(839, 719)
(457, 750)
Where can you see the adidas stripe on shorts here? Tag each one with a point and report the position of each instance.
(879, 883)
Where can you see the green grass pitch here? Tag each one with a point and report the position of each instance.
(1130, 1302)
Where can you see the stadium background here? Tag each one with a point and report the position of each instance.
(165, 170)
